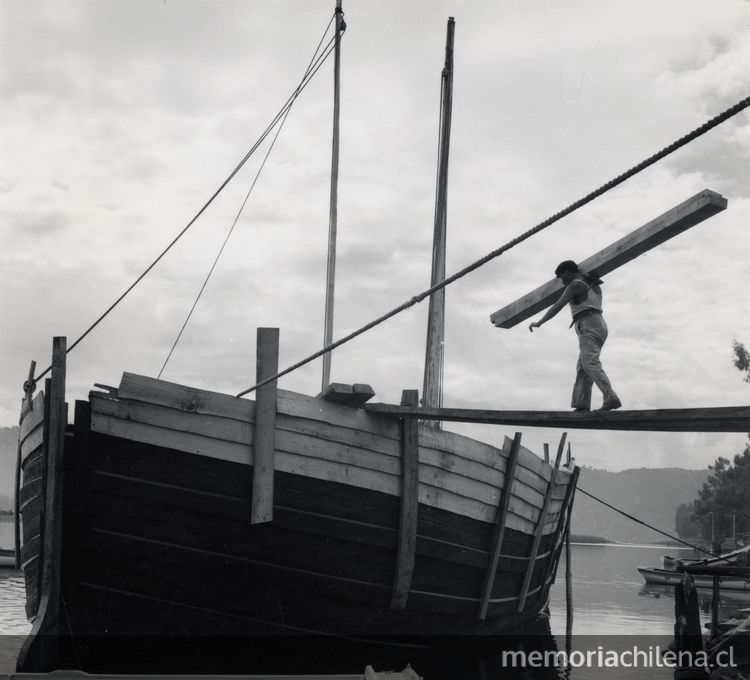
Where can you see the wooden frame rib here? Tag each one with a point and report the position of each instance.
(407, 532)
(502, 514)
(540, 527)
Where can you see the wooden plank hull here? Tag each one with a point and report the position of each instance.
(158, 537)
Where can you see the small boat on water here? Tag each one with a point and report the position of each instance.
(674, 569)
(7, 557)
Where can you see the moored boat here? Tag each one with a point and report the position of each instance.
(670, 577)
(673, 571)
(7, 557)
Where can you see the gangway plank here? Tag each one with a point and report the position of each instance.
(712, 419)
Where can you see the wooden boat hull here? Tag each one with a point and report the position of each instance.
(156, 536)
(667, 577)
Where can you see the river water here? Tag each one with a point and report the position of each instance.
(613, 612)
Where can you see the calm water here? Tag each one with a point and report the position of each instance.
(610, 601)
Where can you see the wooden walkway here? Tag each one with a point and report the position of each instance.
(715, 419)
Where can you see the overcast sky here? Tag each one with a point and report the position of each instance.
(119, 119)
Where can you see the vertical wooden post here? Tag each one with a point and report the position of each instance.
(716, 548)
(540, 527)
(502, 513)
(715, 607)
(546, 452)
(267, 364)
(407, 532)
(563, 524)
(687, 628)
(40, 652)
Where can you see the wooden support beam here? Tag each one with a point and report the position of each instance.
(540, 526)
(687, 214)
(499, 530)
(348, 395)
(407, 531)
(714, 419)
(49, 624)
(267, 364)
(563, 523)
(26, 405)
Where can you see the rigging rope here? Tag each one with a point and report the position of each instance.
(682, 141)
(301, 86)
(635, 519)
(242, 207)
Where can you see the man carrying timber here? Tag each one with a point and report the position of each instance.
(584, 293)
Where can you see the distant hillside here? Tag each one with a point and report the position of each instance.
(8, 453)
(651, 495)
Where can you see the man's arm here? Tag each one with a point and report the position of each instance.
(572, 290)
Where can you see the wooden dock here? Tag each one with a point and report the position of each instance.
(714, 419)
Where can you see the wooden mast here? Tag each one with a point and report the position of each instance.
(432, 391)
(333, 214)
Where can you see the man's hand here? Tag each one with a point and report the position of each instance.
(533, 325)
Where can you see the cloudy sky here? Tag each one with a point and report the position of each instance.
(119, 119)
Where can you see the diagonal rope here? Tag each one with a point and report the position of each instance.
(682, 141)
(242, 207)
(635, 519)
(302, 85)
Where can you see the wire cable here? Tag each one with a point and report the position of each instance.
(303, 83)
(639, 521)
(682, 141)
(239, 212)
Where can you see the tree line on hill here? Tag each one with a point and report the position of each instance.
(722, 509)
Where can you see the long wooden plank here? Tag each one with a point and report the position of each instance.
(267, 365)
(149, 390)
(190, 433)
(540, 529)
(502, 516)
(712, 419)
(687, 214)
(407, 526)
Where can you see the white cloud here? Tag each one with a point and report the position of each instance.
(120, 119)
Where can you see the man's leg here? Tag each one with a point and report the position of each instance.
(581, 399)
(592, 333)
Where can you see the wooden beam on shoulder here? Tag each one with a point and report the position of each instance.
(680, 218)
(715, 419)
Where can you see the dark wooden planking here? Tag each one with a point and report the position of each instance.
(297, 539)
(712, 419)
(687, 214)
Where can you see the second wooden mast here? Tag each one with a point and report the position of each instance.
(432, 390)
